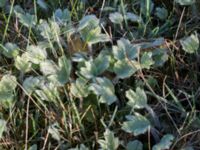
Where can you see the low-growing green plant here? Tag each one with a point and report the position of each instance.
(110, 92)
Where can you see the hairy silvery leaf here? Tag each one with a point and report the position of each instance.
(146, 60)
(125, 49)
(80, 88)
(22, 63)
(110, 143)
(105, 89)
(10, 50)
(161, 13)
(8, 84)
(36, 54)
(48, 67)
(185, 2)
(133, 17)
(116, 18)
(124, 68)
(2, 127)
(137, 124)
(136, 145)
(190, 44)
(164, 143)
(137, 99)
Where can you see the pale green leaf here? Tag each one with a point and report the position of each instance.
(22, 63)
(164, 143)
(49, 30)
(116, 18)
(190, 44)
(80, 88)
(95, 67)
(124, 69)
(146, 60)
(26, 19)
(62, 16)
(105, 89)
(125, 49)
(90, 21)
(137, 99)
(137, 124)
(36, 54)
(47, 91)
(54, 132)
(10, 50)
(48, 67)
(110, 142)
(8, 84)
(65, 68)
(31, 83)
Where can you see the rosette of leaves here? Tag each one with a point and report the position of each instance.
(90, 30)
(8, 84)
